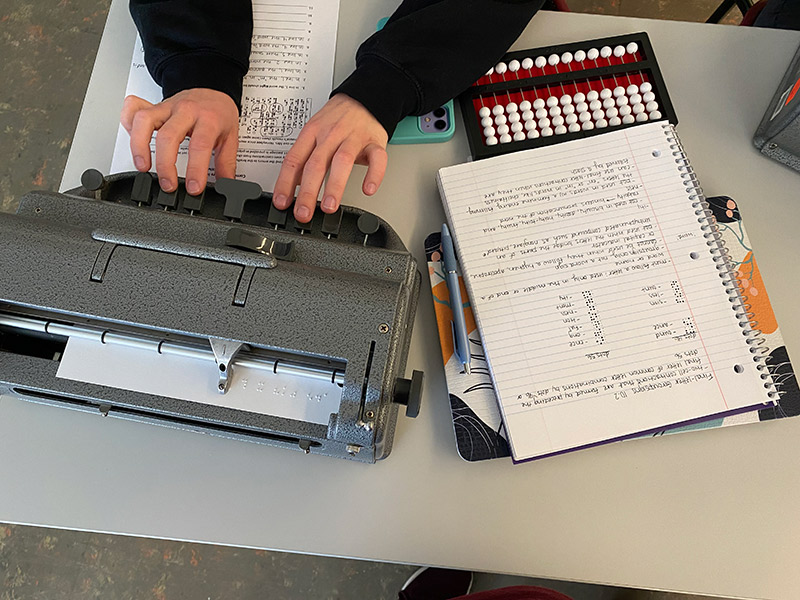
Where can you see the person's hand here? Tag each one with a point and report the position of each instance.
(341, 134)
(210, 118)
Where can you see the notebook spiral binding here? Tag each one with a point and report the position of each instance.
(711, 233)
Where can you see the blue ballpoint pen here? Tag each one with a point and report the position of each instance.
(456, 305)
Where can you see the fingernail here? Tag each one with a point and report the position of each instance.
(371, 187)
(280, 201)
(139, 162)
(193, 187)
(165, 184)
(329, 203)
(303, 213)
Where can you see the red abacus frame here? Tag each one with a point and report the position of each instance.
(521, 80)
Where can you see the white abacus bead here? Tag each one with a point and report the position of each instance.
(601, 123)
(553, 60)
(515, 127)
(543, 122)
(491, 141)
(566, 58)
(541, 61)
(592, 95)
(638, 108)
(552, 101)
(605, 93)
(625, 109)
(632, 47)
(557, 120)
(570, 119)
(619, 51)
(530, 125)
(622, 101)
(565, 99)
(645, 87)
(648, 97)
(500, 68)
(587, 125)
(527, 63)
(585, 116)
(501, 119)
(484, 112)
(593, 53)
(582, 107)
(514, 117)
(533, 134)
(612, 112)
(513, 66)
(490, 72)
(655, 115)
(527, 115)
(605, 51)
(632, 89)
(504, 139)
(502, 129)
(487, 122)
(561, 130)
(641, 117)
(488, 131)
(636, 99)
(519, 136)
(568, 109)
(538, 103)
(595, 104)
(547, 132)
(497, 109)
(524, 105)
(573, 127)
(614, 121)
(511, 107)
(598, 114)
(619, 91)
(541, 113)
(579, 97)
(651, 106)
(608, 103)
(628, 119)
(580, 56)
(555, 110)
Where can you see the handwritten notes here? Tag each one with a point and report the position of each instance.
(290, 76)
(598, 298)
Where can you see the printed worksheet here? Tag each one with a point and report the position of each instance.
(290, 78)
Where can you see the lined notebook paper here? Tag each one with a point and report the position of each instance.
(605, 304)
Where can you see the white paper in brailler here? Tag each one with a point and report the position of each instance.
(251, 390)
(290, 78)
(599, 303)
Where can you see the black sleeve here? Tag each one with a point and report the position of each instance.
(430, 51)
(196, 43)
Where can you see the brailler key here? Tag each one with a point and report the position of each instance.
(368, 224)
(194, 203)
(93, 180)
(167, 199)
(331, 223)
(236, 193)
(301, 227)
(142, 187)
(277, 217)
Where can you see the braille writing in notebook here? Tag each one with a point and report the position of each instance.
(606, 303)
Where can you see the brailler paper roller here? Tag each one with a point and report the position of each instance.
(215, 313)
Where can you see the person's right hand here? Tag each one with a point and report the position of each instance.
(210, 118)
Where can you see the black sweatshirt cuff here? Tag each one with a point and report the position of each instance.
(388, 98)
(202, 70)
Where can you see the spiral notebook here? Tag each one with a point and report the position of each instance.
(605, 300)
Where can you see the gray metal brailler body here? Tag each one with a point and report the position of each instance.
(337, 304)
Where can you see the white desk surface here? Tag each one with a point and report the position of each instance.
(708, 512)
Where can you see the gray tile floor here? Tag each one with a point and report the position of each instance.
(47, 52)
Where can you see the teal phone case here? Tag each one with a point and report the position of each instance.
(409, 130)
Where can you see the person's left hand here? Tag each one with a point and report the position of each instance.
(341, 134)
